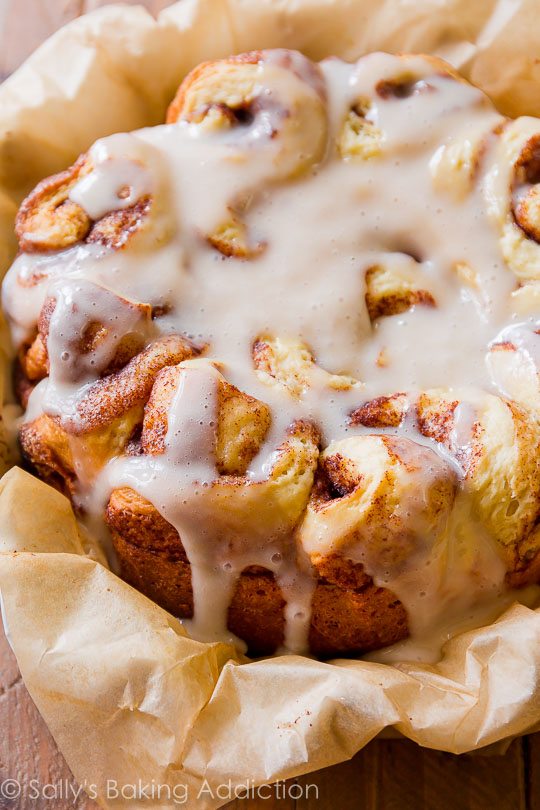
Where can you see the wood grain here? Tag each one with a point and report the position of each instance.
(28, 753)
(386, 775)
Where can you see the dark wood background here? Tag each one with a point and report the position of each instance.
(386, 775)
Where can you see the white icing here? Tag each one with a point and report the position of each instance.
(119, 177)
(78, 306)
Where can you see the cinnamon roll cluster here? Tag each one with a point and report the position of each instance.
(286, 345)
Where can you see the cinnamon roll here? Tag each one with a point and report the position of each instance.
(274, 99)
(341, 597)
(362, 134)
(284, 348)
(109, 196)
(270, 103)
(381, 494)
(496, 444)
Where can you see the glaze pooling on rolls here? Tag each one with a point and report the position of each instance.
(286, 343)
(269, 103)
(271, 100)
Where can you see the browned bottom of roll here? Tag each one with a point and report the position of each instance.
(350, 615)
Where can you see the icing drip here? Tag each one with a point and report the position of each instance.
(77, 353)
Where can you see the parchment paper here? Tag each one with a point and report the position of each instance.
(127, 695)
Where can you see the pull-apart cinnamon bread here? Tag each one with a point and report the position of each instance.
(286, 348)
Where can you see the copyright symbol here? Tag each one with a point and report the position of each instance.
(10, 789)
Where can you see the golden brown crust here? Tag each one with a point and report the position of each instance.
(51, 449)
(350, 614)
(22, 385)
(111, 396)
(47, 219)
(182, 107)
(34, 361)
(45, 445)
(155, 423)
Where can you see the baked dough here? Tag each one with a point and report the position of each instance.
(286, 347)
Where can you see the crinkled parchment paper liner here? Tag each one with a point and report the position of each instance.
(125, 693)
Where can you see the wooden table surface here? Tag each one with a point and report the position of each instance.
(386, 775)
